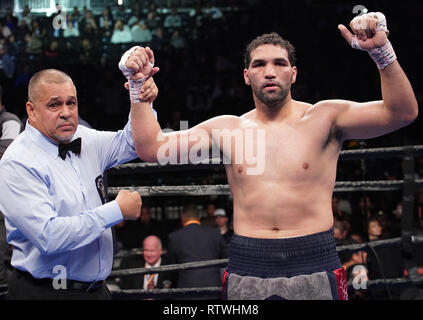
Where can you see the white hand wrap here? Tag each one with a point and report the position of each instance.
(134, 85)
(384, 55)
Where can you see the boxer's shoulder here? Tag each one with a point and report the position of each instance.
(328, 106)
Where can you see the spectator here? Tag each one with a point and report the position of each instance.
(153, 21)
(209, 220)
(38, 30)
(134, 19)
(106, 22)
(194, 242)
(357, 273)
(385, 223)
(152, 251)
(140, 33)
(5, 31)
(14, 48)
(76, 15)
(52, 55)
(337, 212)
(366, 207)
(374, 229)
(71, 30)
(340, 232)
(7, 65)
(121, 14)
(73, 20)
(177, 41)
(396, 220)
(34, 40)
(157, 41)
(356, 237)
(106, 19)
(10, 21)
(222, 222)
(173, 20)
(383, 262)
(88, 26)
(361, 214)
(25, 18)
(356, 258)
(10, 127)
(121, 33)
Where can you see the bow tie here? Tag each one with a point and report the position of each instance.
(74, 146)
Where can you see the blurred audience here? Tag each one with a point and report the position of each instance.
(222, 222)
(152, 256)
(209, 220)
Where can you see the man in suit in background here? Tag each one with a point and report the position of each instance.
(195, 242)
(152, 257)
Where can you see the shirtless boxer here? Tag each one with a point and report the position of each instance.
(283, 246)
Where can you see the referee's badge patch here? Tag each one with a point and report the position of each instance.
(99, 183)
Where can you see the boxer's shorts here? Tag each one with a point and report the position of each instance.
(299, 268)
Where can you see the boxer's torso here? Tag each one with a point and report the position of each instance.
(286, 191)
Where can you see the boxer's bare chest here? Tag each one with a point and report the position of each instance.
(285, 150)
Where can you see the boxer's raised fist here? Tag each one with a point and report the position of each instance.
(369, 31)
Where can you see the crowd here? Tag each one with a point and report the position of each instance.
(199, 51)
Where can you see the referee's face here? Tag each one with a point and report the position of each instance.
(55, 111)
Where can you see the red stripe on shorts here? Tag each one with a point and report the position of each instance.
(225, 274)
(341, 283)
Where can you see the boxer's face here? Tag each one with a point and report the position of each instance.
(55, 111)
(270, 74)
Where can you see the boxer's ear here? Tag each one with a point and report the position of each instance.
(246, 78)
(294, 74)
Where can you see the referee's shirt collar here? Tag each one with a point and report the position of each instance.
(43, 142)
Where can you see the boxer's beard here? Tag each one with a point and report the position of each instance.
(272, 99)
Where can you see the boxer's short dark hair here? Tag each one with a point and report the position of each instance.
(269, 38)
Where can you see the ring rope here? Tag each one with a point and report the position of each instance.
(371, 285)
(211, 292)
(170, 267)
(223, 262)
(344, 155)
(224, 189)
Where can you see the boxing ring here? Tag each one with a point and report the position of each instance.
(407, 241)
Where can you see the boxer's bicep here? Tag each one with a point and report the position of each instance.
(364, 120)
(203, 141)
(185, 146)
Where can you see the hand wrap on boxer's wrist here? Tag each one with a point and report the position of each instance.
(134, 85)
(385, 55)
